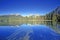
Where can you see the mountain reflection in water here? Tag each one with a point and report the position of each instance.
(44, 30)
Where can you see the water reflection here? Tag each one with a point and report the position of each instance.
(32, 30)
(51, 24)
(26, 32)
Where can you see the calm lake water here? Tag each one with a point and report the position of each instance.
(30, 32)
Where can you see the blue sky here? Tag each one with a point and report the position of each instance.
(26, 7)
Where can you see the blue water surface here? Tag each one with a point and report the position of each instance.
(28, 32)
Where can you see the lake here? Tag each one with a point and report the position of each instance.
(31, 31)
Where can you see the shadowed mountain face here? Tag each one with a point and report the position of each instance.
(57, 14)
(58, 10)
(54, 15)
